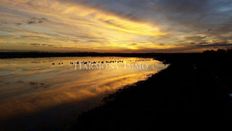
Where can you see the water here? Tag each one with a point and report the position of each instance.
(65, 86)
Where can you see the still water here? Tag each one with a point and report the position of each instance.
(37, 85)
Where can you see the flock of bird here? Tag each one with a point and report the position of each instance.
(91, 62)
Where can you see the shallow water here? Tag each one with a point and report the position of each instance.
(32, 85)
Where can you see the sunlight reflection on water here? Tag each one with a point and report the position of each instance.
(31, 85)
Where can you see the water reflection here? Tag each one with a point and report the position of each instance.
(31, 85)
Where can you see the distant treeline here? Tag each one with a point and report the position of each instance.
(80, 54)
(209, 55)
(55, 54)
(70, 54)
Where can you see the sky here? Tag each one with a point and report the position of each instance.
(115, 25)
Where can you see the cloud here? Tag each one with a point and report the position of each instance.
(35, 20)
(38, 44)
(177, 11)
(117, 25)
(185, 21)
(214, 45)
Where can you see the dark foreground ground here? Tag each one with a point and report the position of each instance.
(195, 87)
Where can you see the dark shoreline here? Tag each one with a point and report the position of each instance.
(8, 55)
(194, 88)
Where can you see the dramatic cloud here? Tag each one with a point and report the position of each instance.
(115, 25)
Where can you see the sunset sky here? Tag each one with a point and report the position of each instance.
(115, 25)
